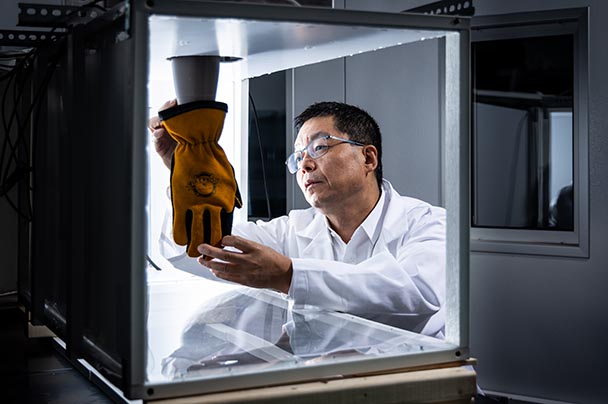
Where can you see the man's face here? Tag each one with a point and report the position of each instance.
(330, 180)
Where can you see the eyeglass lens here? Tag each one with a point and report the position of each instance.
(315, 149)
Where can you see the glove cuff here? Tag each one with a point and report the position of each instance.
(191, 106)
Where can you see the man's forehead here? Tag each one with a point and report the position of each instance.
(303, 140)
(314, 128)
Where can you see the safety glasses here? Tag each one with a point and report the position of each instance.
(315, 149)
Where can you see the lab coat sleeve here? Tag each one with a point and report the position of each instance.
(405, 281)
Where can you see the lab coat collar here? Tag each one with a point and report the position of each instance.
(394, 221)
(391, 217)
(318, 234)
(316, 225)
(371, 222)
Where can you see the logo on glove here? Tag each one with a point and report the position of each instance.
(203, 184)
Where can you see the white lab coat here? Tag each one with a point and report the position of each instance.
(401, 282)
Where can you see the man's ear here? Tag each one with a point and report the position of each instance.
(371, 157)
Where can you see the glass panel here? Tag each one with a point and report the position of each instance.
(199, 327)
(103, 309)
(523, 128)
(205, 329)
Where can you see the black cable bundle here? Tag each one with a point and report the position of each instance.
(15, 154)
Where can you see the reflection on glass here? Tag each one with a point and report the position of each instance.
(523, 136)
(245, 330)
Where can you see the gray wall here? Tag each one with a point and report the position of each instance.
(399, 87)
(539, 324)
(306, 85)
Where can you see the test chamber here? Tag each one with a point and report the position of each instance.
(102, 310)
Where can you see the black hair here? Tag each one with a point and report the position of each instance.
(351, 120)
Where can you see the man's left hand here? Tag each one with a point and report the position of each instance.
(256, 265)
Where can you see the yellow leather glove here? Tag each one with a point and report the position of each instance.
(204, 191)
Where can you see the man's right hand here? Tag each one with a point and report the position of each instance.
(163, 142)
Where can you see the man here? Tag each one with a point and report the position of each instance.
(361, 249)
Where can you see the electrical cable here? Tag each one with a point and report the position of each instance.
(18, 89)
(7, 129)
(12, 167)
(24, 168)
(257, 127)
(17, 81)
(152, 263)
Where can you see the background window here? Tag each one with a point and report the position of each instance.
(529, 156)
(523, 101)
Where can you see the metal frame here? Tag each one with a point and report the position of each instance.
(24, 38)
(214, 9)
(456, 133)
(132, 136)
(71, 191)
(456, 137)
(128, 372)
(50, 15)
(547, 242)
(86, 179)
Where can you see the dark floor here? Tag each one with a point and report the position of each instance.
(32, 371)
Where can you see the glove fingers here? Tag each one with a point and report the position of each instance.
(214, 225)
(182, 220)
(204, 227)
(196, 232)
(192, 250)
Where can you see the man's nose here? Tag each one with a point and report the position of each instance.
(308, 163)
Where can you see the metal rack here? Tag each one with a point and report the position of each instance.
(91, 289)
